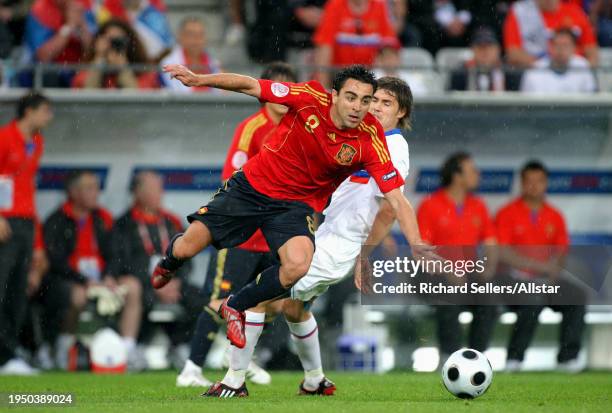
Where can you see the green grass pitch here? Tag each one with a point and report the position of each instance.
(389, 393)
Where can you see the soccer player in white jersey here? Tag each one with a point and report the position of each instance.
(356, 207)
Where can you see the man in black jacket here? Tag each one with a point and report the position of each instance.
(139, 238)
(78, 240)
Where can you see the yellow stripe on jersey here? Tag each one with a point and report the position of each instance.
(376, 141)
(319, 96)
(383, 156)
(249, 130)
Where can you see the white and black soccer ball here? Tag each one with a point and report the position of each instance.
(467, 374)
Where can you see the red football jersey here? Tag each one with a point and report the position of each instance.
(248, 139)
(442, 222)
(19, 163)
(307, 157)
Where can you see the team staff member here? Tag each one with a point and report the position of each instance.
(454, 216)
(78, 240)
(140, 236)
(531, 221)
(21, 147)
(232, 268)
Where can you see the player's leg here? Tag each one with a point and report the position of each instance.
(276, 281)
(129, 321)
(181, 248)
(522, 333)
(233, 384)
(305, 334)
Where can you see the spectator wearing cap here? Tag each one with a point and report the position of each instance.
(484, 72)
(352, 32)
(563, 71)
(191, 52)
(530, 25)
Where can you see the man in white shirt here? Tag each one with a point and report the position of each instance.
(563, 72)
(348, 221)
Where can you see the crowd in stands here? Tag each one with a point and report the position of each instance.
(122, 42)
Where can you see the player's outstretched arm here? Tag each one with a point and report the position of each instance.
(226, 81)
(408, 224)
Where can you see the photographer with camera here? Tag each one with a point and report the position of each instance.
(115, 48)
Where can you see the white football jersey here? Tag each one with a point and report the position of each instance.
(355, 203)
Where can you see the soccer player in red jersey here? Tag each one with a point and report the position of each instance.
(232, 268)
(535, 241)
(321, 140)
(21, 148)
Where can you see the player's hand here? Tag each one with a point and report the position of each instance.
(5, 230)
(182, 74)
(171, 293)
(422, 250)
(363, 275)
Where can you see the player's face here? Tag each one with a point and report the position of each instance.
(562, 49)
(351, 103)
(193, 37)
(534, 184)
(151, 192)
(386, 109)
(87, 191)
(470, 175)
(41, 116)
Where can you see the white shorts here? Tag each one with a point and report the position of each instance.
(333, 261)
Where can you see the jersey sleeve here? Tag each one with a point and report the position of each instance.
(587, 35)
(488, 228)
(512, 35)
(326, 32)
(235, 158)
(293, 95)
(503, 227)
(425, 221)
(562, 238)
(377, 161)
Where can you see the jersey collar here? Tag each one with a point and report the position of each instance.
(396, 131)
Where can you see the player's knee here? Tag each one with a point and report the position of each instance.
(294, 268)
(294, 311)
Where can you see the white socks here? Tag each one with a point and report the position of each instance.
(129, 343)
(305, 335)
(241, 357)
(191, 367)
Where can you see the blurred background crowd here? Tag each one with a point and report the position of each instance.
(540, 46)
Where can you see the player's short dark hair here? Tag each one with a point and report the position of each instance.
(452, 166)
(190, 19)
(402, 92)
(279, 70)
(73, 177)
(533, 165)
(357, 72)
(31, 100)
(136, 180)
(564, 31)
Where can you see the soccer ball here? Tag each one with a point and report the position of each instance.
(467, 374)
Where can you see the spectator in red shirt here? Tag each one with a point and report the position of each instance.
(230, 269)
(453, 216)
(115, 48)
(530, 24)
(78, 240)
(537, 233)
(59, 31)
(191, 52)
(21, 147)
(352, 31)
